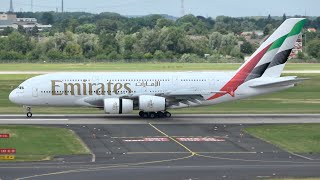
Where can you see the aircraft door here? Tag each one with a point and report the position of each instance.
(95, 79)
(175, 81)
(35, 92)
(211, 83)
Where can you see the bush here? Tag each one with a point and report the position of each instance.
(11, 55)
(159, 55)
(101, 57)
(235, 52)
(114, 56)
(300, 55)
(190, 58)
(73, 50)
(313, 48)
(33, 55)
(247, 48)
(169, 55)
(148, 56)
(54, 54)
(137, 55)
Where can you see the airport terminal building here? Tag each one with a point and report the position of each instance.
(11, 20)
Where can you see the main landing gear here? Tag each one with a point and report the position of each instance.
(152, 115)
(29, 113)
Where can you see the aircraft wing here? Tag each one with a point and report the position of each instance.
(278, 83)
(184, 96)
(186, 92)
(187, 96)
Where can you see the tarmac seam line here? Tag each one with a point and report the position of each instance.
(125, 165)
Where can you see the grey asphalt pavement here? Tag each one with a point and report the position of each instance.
(175, 119)
(167, 149)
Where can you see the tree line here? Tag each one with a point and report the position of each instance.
(111, 37)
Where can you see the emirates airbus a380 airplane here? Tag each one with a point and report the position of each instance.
(153, 93)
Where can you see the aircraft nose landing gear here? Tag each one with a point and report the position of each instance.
(29, 113)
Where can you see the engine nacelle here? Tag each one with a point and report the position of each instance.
(149, 103)
(118, 106)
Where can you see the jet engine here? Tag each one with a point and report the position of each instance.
(149, 103)
(118, 106)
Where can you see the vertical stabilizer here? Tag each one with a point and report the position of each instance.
(277, 64)
(269, 58)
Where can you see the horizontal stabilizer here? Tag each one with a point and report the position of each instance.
(278, 83)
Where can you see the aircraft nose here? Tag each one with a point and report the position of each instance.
(13, 96)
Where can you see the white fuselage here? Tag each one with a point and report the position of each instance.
(81, 89)
(154, 92)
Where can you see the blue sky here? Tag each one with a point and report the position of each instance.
(211, 8)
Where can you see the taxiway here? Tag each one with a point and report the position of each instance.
(193, 147)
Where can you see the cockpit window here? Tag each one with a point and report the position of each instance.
(21, 87)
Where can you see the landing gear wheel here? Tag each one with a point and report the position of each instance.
(152, 115)
(28, 110)
(141, 114)
(167, 114)
(29, 114)
(145, 115)
(160, 114)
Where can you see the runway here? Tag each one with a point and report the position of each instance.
(175, 119)
(185, 147)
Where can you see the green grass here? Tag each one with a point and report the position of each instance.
(119, 67)
(138, 67)
(302, 138)
(305, 98)
(34, 143)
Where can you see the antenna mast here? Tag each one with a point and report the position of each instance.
(182, 8)
(62, 6)
(11, 7)
(31, 5)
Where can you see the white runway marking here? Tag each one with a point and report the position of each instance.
(22, 115)
(301, 156)
(93, 158)
(189, 152)
(34, 120)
